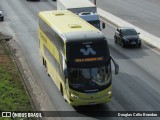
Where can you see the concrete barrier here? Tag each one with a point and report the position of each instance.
(149, 38)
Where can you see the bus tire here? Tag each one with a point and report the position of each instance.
(47, 71)
(61, 89)
(43, 60)
(46, 68)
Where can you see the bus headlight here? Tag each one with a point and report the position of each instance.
(109, 93)
(74, 96)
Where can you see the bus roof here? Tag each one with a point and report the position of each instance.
(64, 21)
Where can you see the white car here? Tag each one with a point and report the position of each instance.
(1, 15)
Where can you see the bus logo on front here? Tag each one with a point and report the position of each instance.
(88, 51)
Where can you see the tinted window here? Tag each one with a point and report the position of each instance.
(128, 32)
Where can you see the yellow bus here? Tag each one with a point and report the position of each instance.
(76, 56)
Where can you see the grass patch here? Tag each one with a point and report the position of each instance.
(13, 96)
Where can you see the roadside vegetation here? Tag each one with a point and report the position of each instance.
(13, 96)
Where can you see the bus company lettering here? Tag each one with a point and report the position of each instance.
(88, 59)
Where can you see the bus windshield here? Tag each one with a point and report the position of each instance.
(89, 79)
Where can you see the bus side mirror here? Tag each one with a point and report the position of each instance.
(116, 66)
(103, 25)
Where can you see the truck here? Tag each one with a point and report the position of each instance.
(84, 9)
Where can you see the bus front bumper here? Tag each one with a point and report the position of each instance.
(77, 101)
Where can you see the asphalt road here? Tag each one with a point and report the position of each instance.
(136, 88)
(141, 13)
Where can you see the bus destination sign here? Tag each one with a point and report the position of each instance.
(78, 60)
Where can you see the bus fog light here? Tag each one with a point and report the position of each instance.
(74, 96)
(109, 93)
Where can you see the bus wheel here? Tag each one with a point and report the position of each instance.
(43, 60)
(47, 71)
(46, 68)
(61, 89)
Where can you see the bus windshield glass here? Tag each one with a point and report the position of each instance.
(89, 79)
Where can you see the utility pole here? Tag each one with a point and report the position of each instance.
(95, 2)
